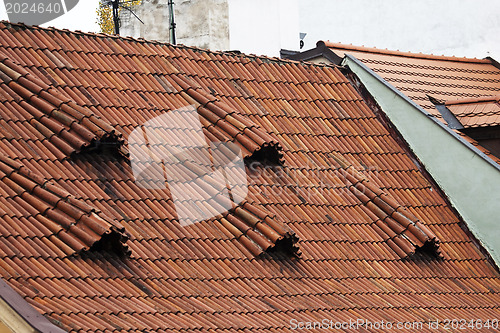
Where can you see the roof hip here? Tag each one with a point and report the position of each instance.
(350, 47)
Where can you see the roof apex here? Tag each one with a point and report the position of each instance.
(484, 99)
(350, 47)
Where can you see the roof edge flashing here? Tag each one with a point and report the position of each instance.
(449, 117)
(20, 316)
(349, 57)
(321, 50)
(466, 220)
(493, 62)
(365, 49)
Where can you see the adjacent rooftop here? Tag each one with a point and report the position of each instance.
(434, 82)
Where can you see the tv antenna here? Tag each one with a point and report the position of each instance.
(115, 5)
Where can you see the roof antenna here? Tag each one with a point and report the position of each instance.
(171, 19)
(116, 4)
(116, 19)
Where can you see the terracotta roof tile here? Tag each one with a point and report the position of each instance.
(424, 77)
(313, 237)
(53, 211)
(476, 112)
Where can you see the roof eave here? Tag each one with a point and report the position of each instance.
(493, 62)
(346, 48)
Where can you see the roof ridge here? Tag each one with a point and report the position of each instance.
(472, 100)
(401, 53)
(5, 24)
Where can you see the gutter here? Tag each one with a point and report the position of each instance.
(419, 108)
(20, 316)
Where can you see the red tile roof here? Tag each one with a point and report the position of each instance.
(62, 122)
(420, 75)
(476, 112)
(339, 222)
(68, 224)
(429, 79)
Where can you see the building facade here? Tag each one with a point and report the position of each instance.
(259, 27)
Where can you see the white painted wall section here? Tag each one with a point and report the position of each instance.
(263, 27)
(451, 27)
(465, 28)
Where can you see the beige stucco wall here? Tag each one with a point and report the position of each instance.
(4, 329)
(154, 13)
(200, 23)
(203, 23)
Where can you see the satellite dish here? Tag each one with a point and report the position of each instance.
(302, 35)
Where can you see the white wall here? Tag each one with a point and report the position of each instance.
(263, 26)
(154, 14)
(451, 27)
(200, 23)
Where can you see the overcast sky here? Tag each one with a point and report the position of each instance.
(452, 27)
(468, 28)
(82, 17)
